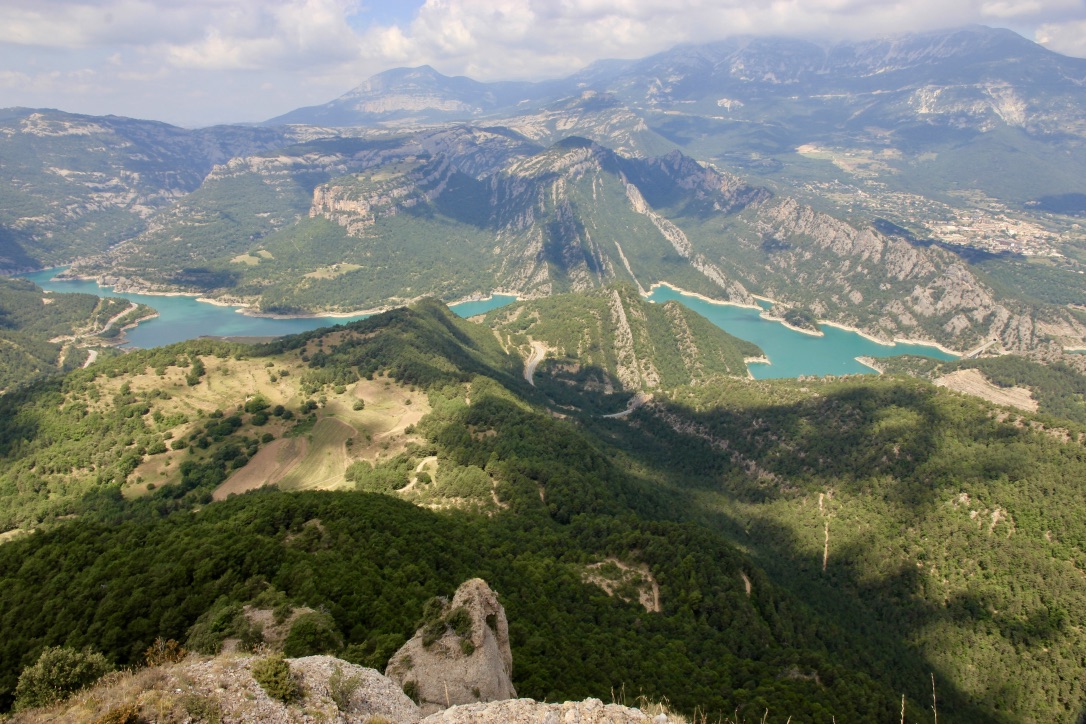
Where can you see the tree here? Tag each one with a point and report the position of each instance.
(58, 672)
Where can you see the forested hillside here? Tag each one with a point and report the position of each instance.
(821, 547)
(76, 185)
(39, 330)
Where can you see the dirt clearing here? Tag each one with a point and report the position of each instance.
(325, 461)
(267, 467)
(973, 382)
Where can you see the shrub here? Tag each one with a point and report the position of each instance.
(431, 632)
(164, 652)
(58, 672)
(343, 687)
(222, 621)
(123, 714)
(282, 612)
(312, 633)
(411, 689)
(202, 708)
(276, 679)
(433, 609)
(359, 405)
(460, 622)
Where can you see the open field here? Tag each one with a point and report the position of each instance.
(267, 467)
(973, 382)
(325, 459)
(318, 458)
(331, 272)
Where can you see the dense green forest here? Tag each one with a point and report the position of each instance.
(30, 318)
(821, 547)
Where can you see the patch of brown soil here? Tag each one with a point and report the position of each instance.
(267, 467)
(973, 382)
(638, 575)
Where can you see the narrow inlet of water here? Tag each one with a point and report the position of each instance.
(182, 317)
(792, 353)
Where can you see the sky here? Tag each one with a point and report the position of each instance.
(200, 62)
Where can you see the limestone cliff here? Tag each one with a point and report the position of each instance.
(460, 655)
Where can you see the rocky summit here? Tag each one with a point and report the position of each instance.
(460, 654)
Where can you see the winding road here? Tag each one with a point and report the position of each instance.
(637, 401)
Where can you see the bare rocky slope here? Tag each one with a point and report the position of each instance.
(223, 689)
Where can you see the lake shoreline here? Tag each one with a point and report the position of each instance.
(702, 297)
(249, 310)
(847, 328)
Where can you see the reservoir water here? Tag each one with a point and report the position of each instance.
(792, 353)
(180, 318)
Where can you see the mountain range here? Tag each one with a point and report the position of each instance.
(657, 523)
(870, 172)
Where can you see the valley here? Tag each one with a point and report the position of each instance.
(857, 527)
(745, 373)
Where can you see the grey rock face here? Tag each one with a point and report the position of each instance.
(461, 653)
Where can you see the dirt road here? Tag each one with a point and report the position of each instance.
(539, 351)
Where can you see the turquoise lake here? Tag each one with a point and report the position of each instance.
(792, 353)
(181, 318)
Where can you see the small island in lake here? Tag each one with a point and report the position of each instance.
(801, 319)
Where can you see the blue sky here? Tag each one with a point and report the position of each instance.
(201, 62)
(385, 12)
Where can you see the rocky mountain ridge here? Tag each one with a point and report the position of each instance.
(222, 688)
(973, 76)
(74, 184)
(533, 221)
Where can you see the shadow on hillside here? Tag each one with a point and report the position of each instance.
(886, 439)
(893, 439)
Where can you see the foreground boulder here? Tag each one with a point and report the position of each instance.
(460, 654)
(528, 711)
(223, 689)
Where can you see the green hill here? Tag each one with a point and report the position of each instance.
(821, 547)
(75, 185)
(39, 331)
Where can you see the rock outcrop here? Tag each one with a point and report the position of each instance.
(457, 667)
(223, 689)
(460, 654)
(528, 711)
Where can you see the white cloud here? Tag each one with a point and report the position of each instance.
(268, 56)
(1068, 38)
(493, 39)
